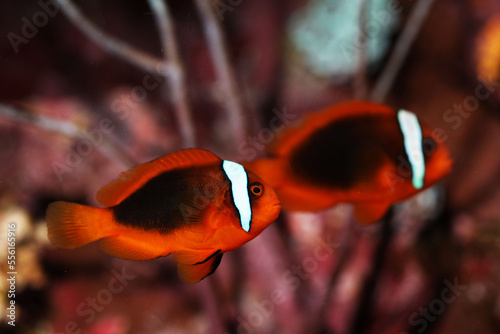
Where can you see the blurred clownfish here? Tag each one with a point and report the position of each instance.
(358, 152)
(189, 203)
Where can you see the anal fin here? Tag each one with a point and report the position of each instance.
(194, 256)
(193, 273)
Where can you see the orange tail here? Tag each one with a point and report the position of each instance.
(73, 225)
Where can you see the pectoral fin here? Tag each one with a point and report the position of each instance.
(193, 273)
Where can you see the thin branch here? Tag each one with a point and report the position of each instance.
(363, 316)
(360, 82)
(208, 295)
(170, 68)
(344, 253)
(436, 244)
(67, 129)
(403, 44)
(109, 43)
(225, 74)
(177, 76)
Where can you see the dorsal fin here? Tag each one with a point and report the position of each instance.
(131, 180)
(288, 140)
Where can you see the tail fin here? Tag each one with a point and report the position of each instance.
(271, 170)
(73, 225)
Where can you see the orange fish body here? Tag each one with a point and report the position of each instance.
(356, 152)
(189, 203)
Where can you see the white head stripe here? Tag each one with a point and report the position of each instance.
(412, 134)
(239, 187)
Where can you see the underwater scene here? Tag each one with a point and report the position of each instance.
(247, 167)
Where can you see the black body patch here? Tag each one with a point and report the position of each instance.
(171, 200)
(348, 151)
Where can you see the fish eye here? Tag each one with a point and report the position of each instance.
(429, 145)
(257, 189)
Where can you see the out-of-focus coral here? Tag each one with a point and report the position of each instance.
(22, 248)
(487, 52)
(307, 272)
(328, 35)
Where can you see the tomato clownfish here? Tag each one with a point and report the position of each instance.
(189, 203)
(358, 152)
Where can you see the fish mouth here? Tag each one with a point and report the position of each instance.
(276, 209)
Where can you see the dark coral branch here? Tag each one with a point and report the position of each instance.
(65, 128)
(363, 315)
(109, 43)
(400, 52)
(177, 75)
(360, 80)
(226, 76)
